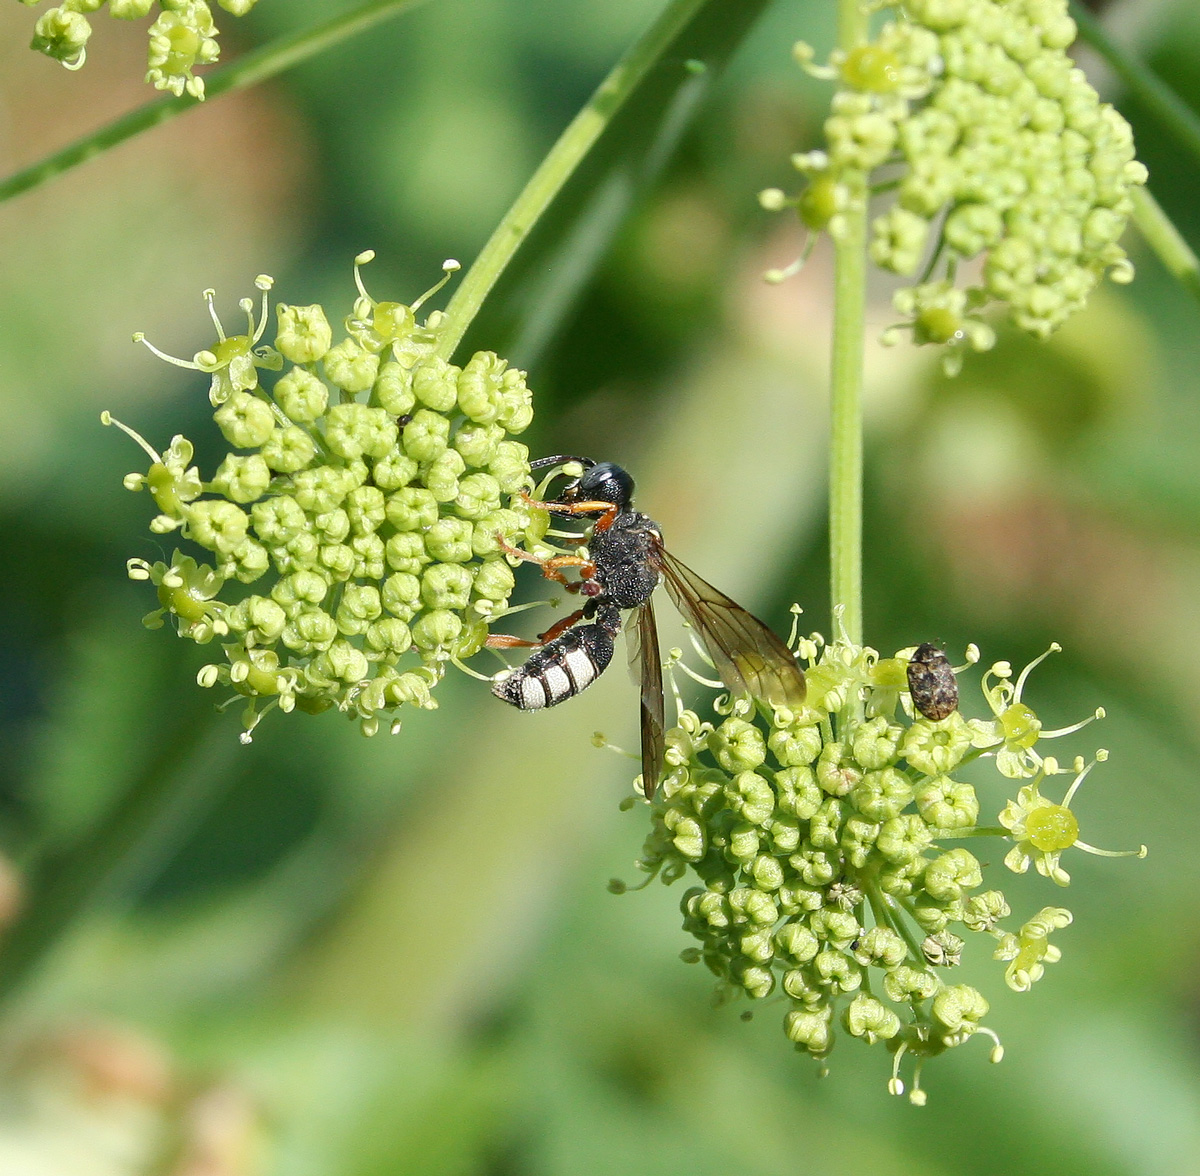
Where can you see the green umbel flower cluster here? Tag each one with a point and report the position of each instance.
(365, 500)
(182, 37)
(828, 845)
(996, 148)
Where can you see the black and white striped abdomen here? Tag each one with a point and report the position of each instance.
(559, 670)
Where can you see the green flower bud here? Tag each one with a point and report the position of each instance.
(738, 746)
(393, 389)
(785, 834)
(837, 773)
(425, 436)
(401, 594)
(340, 662)
(795, 746)
(882, 794)
(370, 556)
(301, 395)
(798, 792)
(810, 1030)
(751, 797)
(857, 839)
(390, 635)
(797, 942)
(515, 413)
(743, 843)
(767, 872)
(948, 876)
(983, 911)
(394, 470)
(935, 747)
(441, 475)
(303, 334)
(972, 228)
(753, 906)
(759, 982)
(351, 366)
(258, 618)
(366, 508)
(686, 833)
(437, 629)
(446, 586)
(510, 466)
(63, 35)
(478, 496)
(947, 804)
(867, 1018)
(338, 559)
(874, 743)
(881, 947)
(494, 581)
(815, 866)
(435, 384)
(242, 479)
(836, 972)
(958, 1009)
(903, 838)
(354, 430)
(412, 509)
(216, 525)
(898, 240)
(333, 526)
(837, 928)
(406, 552)
(477, 443)
(245, 420)
(479, 387)
(826, 824)
(358, 607)
(483, 534)
(907, 985)
(288, 450)
(237, 7)
(299, 590)
(449, 540)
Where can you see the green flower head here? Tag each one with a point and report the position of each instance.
(353, 544)
(827, 847)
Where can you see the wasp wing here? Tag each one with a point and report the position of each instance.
(749, 656)
(644, 653)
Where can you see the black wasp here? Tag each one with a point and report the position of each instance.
(625, 561)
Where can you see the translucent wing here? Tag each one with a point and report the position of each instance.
(748, 655)
(644, 654)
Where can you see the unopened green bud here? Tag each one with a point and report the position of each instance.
(245, 420)
(449, 540)
(412, 509)
(395, 470)
(751, 797)
(393, 389)
(303, 334)
(810, 1030)
(903, 838)
(935, 747)
(425, 436)
(219, 526)
(288, 450)
(351, 366)
(129, 9)
(435, 384)
(510, 466)
(406, 552)
(837, 773)
(738, 745)
(437, 629)
(799, 792)
(874, 743)
(881, 947)
(355, 430)
(401, 594)
(494, 581)
(797, 942)
(301, 395)
(446, 586)
(63, 35)
(477, 443)
(882, 794)
(871, 1020)
(959, 1009)
(441, 475)
(242, 479)
(795, 746)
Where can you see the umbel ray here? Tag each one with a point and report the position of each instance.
(625, 561)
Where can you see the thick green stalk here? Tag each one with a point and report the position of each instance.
(254, 67)
(554, 171)
(1165, 239)
(846, 375)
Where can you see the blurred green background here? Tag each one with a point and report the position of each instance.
(326, 956)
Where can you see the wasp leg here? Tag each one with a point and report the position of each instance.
(550, 565)
(608, 511)
(504, 641)
(560, 627)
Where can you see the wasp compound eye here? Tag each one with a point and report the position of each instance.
(606, 482)
(932, 683)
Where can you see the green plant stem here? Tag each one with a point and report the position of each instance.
(1166, 241)
(846, 374)
(975, 831)
(254, 67)
(554, 171)
(1141, 81)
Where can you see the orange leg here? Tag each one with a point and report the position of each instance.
(560, 627)
(504, 641)
(608, 511)
(550, 566)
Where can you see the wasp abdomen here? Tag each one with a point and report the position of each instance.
(563, 667)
